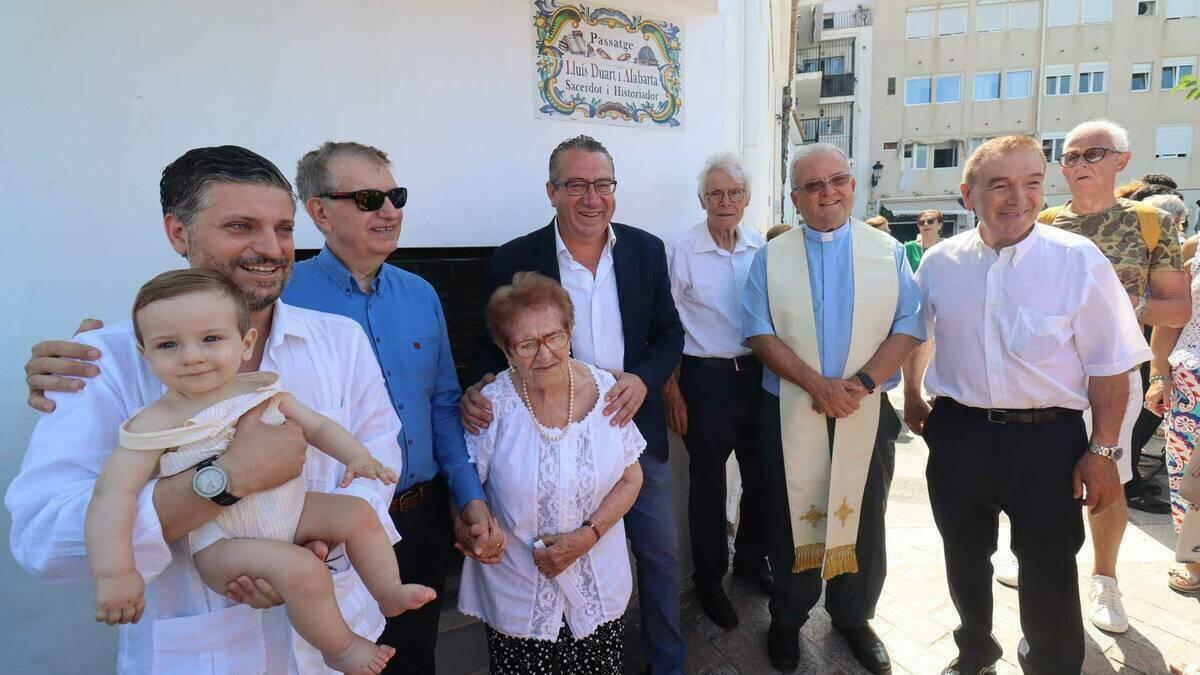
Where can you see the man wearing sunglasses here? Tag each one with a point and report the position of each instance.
(1150, 267)
(350, 194)
(832, 311)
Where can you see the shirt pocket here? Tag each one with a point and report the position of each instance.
(226, 641)
(423, 358)
(1037, 337)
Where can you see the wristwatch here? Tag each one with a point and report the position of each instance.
(212, 482)
(866, 381)
(1114, 452)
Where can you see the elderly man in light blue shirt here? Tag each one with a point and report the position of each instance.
(823, 193)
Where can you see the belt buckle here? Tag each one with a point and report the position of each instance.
(997, 416)
(408, 499)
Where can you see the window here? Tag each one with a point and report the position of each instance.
(987, 86)
(891, 145)
(949, 88)
(916, 91)
(945, 155)
(827, 22)
(1147, 8)
(1173, 141)
(1092, 78)
(916, 156)
(1062, 13)
(920, 22)
(891, 86)
(1174, 69)
(1097, 11)
(1023, 15)
(976, 141)
(1141, 77)
(1018, 84)
(952, 20)
(832, 126)
(1058, 80)
(1178, 9)
(808, 129)
(989, 17)
(1052, 146)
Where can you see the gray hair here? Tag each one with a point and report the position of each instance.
(1169, 203)
(1116, 132)
(580, 142)
(728, 164)
(313, 177)
(806, 152)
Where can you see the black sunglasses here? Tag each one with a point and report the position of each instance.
(372, 200)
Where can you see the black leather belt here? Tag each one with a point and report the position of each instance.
(1026, 416)
(739, 363)
(411, 497)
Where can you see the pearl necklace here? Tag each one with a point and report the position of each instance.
(546, 432)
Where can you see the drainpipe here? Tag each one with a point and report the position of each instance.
(1037, 84)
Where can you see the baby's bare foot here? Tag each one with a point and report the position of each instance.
(404, 597)
(362, 657)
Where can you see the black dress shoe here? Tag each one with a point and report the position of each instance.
(761, 576)
(1144, 502)
(956, 668)
(717, 607)
(867, 648)
(783, 647)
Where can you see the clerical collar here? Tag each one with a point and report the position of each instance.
(842, 230)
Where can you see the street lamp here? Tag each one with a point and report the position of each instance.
(876, 173)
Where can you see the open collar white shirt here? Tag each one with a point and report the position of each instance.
(325, 361)
(706, 284)
(598, 337)
(1026, 326)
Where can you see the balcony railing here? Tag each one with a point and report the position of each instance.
(837, 85)
(835, 125)
(852, 19)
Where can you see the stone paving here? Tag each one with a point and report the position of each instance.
(915, 617)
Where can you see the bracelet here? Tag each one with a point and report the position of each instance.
(595, 529)
(1159, 378)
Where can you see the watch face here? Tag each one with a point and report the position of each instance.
(209, 482)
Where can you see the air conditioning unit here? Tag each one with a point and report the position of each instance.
(1147, 8)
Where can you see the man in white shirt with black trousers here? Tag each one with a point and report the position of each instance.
(1032, 327)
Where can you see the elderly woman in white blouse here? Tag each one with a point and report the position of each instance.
(559, 479)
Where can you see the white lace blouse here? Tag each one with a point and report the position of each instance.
(535, 487)
(1187, 350)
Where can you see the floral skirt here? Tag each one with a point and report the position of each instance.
(1183, 432)
(596, 654)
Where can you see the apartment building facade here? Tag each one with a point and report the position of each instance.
(946, 77)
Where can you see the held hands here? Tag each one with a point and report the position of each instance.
(916, 411)
(366, 466)
(836, 397)
(1099, 475)
(478, 535)
(1158, 397)
(562, 550)
(677, 412)
(57, 365)
(625, 398)
(475, 408)
(120, 599)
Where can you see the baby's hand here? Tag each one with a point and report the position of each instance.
(120, 598)
(368, 467)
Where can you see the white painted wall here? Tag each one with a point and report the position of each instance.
(100, 96)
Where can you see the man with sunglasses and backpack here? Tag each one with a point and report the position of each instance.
(350, 194)
(1141, 243)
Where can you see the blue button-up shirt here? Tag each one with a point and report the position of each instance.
(831, 278)
(403, 319)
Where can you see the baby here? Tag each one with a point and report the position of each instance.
(193, 327)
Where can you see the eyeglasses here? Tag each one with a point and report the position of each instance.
(1091, 156)
(372, 200)
(554, 342)
(735, 195)
(927, 221)
(812, 187)
(579, 188)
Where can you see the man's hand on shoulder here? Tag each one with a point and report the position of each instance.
(57, 365)
(475, 408)
(625, 398)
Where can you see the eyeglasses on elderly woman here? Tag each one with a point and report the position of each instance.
(555, 341)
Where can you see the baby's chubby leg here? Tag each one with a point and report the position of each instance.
(305, 585)
(342, 518)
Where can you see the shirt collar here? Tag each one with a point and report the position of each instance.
(341, 277)
(560, 248)
(840, 232)
(705, 243)
(284, 323)
(1019, 249)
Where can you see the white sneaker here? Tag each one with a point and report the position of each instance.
(1108, 614)
(1006, 572)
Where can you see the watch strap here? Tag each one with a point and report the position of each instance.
(223, 498)
(866, 381)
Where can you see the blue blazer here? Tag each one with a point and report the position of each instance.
(653, 333)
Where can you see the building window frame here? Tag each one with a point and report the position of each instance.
(1057, 141)
(986, 14)
(1146, 71)
(1179, 137)
(955, 15)
(1057, 12)
(1028, 10)
(908, 81)
(1182, 9)
(1093, 77)
(1101, 11)
(1176, 68)
(989, 93)
(915, 156)
(943, 150)
(923, 12)
(1008, 80)
(1057, 80)
(937, 88)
